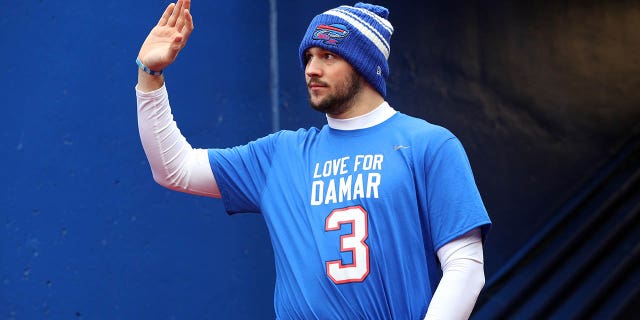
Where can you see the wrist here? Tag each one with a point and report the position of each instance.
(147, 69)
(147, 82)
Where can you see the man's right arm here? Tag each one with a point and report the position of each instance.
(174, 163)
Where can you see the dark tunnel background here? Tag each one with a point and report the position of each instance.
(544, 96)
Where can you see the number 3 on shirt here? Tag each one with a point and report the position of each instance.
(358, 270)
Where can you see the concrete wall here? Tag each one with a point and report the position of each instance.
(539, 94)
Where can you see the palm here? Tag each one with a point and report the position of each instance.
(160, 48)
(168, 37)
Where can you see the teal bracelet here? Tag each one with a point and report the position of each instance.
(147, 70)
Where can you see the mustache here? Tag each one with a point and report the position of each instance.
(314, 81)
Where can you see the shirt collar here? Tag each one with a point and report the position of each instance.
(374, 117)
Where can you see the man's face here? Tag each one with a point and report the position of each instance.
(332, 82)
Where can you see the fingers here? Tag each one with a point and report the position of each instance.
(166, 14)
(177, 11)
(176, 15)
(188, 25)
(182, 19)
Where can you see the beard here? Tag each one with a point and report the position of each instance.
(342, 99)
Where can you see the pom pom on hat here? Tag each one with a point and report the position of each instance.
(379, 10)
(360, 34)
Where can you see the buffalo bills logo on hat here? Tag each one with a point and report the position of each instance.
(330, 34)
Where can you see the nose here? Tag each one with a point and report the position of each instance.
(313, 68)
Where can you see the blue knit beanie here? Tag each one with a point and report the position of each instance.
(360, 34)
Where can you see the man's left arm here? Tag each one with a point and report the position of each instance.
(462, 277)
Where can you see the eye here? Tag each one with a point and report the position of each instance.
(306, 58)
(329, 56)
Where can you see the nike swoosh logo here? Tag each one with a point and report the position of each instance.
(398, 147)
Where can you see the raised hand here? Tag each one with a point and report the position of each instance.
(168, 37)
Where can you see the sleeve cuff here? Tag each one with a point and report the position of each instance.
(152, 94)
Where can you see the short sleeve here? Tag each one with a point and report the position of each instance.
(241, 173)
(454, 202)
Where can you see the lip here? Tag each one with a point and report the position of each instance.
(316, 85)
(317, 89)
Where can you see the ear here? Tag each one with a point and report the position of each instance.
(363, 81)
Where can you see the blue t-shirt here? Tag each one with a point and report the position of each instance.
(355, 217)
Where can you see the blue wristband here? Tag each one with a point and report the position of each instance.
(147, 70)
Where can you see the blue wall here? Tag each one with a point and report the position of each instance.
(86, 233)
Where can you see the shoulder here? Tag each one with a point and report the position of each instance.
(285, 139)
(423, 131)
(294, 135)
(428, 142)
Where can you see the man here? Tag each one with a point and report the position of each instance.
(363, 212)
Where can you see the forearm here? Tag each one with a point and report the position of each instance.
(462, 279)
(174, 163)
(148, 83)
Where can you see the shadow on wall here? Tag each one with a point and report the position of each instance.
(539, 93)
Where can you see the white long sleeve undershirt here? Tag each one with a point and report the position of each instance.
(462, 263)
(178, 166)
(174, 163)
